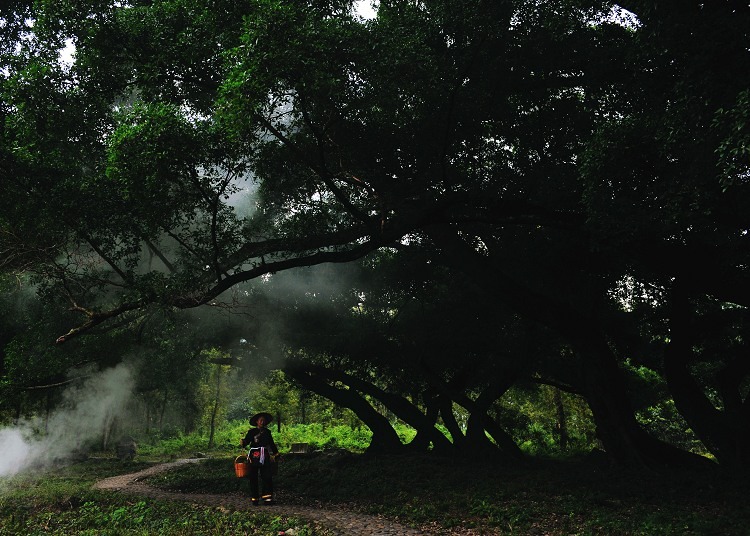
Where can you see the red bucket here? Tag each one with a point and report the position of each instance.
(240, 467)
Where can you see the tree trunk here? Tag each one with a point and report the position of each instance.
(398, 405)
(163, 409)
(148, 415)
(449, 419)
(479, 421)
(17, 416)
(215, 410)
(304, 396)
(109, 426)
(384, 437)
(47, 411)
(562, 425)
(622, 436)
(423, 439)
(725, 434)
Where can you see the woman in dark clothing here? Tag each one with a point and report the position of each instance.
(261, 457)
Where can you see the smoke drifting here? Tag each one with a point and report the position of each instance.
(86, 413)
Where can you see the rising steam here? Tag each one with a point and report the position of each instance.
(86, 412)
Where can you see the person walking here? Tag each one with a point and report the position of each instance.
(262, 457)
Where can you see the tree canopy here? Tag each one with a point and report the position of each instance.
(578, 169)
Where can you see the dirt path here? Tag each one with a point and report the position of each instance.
(337, 522)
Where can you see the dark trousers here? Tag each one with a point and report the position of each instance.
(266, 477)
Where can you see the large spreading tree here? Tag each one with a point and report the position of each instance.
(551, 153)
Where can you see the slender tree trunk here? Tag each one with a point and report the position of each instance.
(215, 410)
(17, 416)
(303, 398)
(163, 409)
(148, 415)
(109, 424)
(562, 424)
(47, 411)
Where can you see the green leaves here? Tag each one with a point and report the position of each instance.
(734, 150)
(152, 158)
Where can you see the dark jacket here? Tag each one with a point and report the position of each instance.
(260, 437)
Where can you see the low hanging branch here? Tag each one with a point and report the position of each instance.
(97, 318)
(58, 384)
(216, 288)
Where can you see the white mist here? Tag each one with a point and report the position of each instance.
(82, 417)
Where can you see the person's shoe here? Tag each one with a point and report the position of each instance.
(267, 499)
(254, 501)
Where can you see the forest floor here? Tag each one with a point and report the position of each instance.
(342, 493)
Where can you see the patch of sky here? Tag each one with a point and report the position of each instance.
(366, 9)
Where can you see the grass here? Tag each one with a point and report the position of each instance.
(541, 497)
(62, 502)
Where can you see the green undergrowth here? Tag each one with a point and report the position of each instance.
(539, 497)
(227, 439)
